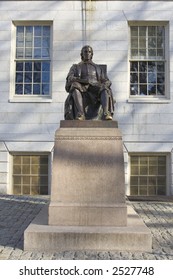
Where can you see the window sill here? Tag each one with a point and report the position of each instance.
(26, 99)
(149, 100)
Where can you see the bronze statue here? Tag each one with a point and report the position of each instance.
(90, 95)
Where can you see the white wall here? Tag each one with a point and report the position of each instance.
(27, 126)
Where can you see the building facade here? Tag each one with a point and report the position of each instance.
(40, 40)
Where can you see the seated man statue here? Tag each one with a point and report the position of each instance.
(90, 96)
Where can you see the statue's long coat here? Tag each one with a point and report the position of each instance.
(91, 101)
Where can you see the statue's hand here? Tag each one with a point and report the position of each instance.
(82, 81)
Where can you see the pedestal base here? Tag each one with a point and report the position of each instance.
(88, 186)
(39, 236)
(87, 209)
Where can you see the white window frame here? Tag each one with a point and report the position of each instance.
(151, 99)
(28, 98)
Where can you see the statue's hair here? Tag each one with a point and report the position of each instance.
(87, 46)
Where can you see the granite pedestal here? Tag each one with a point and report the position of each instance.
(87, 208)
(88, 175)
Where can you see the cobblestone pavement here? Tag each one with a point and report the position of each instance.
(16, 213)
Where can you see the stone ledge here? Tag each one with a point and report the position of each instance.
(89, 124)
(39, 236)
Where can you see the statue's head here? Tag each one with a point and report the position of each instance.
(86, 53)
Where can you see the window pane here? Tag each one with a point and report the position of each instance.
(46, 42)
(17, 159)
(161, 190)
(134, 78)
(160, 67)
(17, 169)
(152, 66)
(37, 30)
(46, 31)
(37, 66)
(26, 189)
(19, 77)
(143, 89)
(26, 159)
(134, 170)
(46, 66)
(45, 53)
(27, 89)
(134, 190)
(43, 190)
(35, 169)
(134, 30)
(36, 89)
(160, 31)
(134, 66)
(142, 30)
(19, 89)
(28, 66)
(134, 181)
(134, 43)
(143, 181)
(28, 77)
(143, 190)
(17, 190)
(20, 31)
(152, 190)
(37, 53)
(26, 180)
(134, 89)
(143, 66)
(19, 53)
(28, 52)
(45, 77)
(161, 89)
(152, 42)
(37, 42)
(35, 190)
(152, 53)
(17, 180)
(142, 42)
(19, 66)
(45, 89)
(37, 77)
(152, 89)
(152, 77)
(143, 78)
(152, 30)
(143, 170)
(134, 53)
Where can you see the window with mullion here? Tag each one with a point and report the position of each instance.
(148, 175)
(32, 60)
(30, 174)
(147, 61)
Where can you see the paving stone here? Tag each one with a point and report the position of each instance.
(25, 255)
(68, 255)
(58, 256)
(104, 256)
(115, 255)
(47, 256)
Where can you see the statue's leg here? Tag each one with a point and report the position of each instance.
(104, 97)
(78, 100)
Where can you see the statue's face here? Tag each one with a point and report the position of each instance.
(87, 54)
